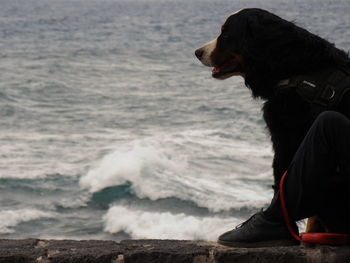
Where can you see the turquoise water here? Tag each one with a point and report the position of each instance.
(110, 128)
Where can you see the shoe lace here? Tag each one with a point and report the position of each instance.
(247, 221)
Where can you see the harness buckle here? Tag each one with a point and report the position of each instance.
(308, 83)
(325, 97)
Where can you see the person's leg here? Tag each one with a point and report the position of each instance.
(334, 213)
(310, 181)
(308, 185)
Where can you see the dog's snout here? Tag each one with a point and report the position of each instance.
(199, 53)
(204, 53)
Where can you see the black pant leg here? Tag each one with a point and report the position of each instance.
(310, 178)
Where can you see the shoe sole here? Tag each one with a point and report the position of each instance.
(272, 243)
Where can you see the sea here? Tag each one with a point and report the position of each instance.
(110, 128)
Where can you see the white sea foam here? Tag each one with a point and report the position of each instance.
(165, 225)
(198, 166)
(11, 218)
(132, 162)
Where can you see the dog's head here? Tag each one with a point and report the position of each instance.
(227, 54)
(265, 49)
(223, 53)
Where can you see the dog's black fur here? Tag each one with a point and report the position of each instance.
(272, 49)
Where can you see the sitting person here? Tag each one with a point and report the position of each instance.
(317, 183)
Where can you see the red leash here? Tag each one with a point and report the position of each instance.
(320, 238)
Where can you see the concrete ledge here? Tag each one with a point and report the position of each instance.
(135, 251)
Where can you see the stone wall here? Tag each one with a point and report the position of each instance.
(149, 251)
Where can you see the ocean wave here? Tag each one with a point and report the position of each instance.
(196, 166)
(165, 225)
(108, 195)
(128, 163)
(11, 218)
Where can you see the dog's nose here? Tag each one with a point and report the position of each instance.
(199, 53)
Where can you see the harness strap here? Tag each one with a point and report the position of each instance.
(325, 89)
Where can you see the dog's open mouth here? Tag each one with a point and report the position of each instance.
(226, 70)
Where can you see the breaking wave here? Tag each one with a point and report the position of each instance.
(172, 166)
(11, 218)
(165, 225)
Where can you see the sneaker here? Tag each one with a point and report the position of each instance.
(258, 231)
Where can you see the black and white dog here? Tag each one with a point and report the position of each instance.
(297, 74)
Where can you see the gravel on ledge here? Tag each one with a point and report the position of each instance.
(148, 251)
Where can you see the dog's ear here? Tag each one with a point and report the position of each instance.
(247, 31)
(267, 28)
(234, 33)
(262, 27)
(252, 35)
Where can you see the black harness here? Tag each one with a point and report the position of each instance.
(324, 89)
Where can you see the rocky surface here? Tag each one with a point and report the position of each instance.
(177, 251)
